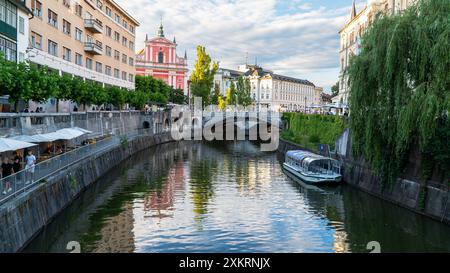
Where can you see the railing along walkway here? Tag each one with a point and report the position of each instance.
(28, 178)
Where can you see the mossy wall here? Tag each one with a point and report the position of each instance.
(311, 130)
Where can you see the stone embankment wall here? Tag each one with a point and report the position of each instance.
(23, 217)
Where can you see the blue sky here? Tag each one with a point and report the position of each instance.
(297, 38)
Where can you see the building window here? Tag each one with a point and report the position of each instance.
(66, 27)
(99, 4)
(125, 24)
(131, 61)
(161, 57)
(108, 12)
(124, 58)
(131, 78)
(124, 41)
(79, 59)
(131, 45)
(116, 36)
(99, 67)
(116, 73)
(78, 34)
(36, 40)
(21, 25)
(124, 75)
(8, 13)
(79, 10)
(36, 7)
(118, 18)
(88, 63)
(108, 31)
(108, 51)
(132, 29)
(67, 54)
(21, 57)
(108, 70)
(52, 48)
(9, 49)
(116, 55)
(52, 18)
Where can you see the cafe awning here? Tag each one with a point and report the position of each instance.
(33, 138)
(7, 145)
(63, 134)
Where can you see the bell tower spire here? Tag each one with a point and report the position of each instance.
(161, 30)
(353, 10)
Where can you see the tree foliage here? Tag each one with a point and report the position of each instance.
(400, 89)
(231, 95)
(243, 89)
(28, 82)
(335, 89)
(202, 77)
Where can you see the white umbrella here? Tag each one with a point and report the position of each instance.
(7, 144)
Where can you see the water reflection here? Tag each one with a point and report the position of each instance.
(229, 197)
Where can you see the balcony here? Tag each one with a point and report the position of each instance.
(93, 25)
(93, 48)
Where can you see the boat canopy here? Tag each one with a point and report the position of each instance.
(306, 159)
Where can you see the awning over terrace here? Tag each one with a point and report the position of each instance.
(7, 145)
(63, 134)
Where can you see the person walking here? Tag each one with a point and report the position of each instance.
(17, 160)
(30, 161)
(7, 170)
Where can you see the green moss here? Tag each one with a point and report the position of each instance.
(310, 130)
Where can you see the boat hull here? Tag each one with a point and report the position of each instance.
(313, 179)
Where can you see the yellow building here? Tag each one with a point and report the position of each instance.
(90, 39)
(353, 30)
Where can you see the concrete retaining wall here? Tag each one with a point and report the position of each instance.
(22, 218)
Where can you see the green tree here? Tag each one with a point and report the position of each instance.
(138, 99)
(117, 96)
(231, 94)
(222, 103)
(400, 89)
(202, 77)
(177, 96)
(335, 89)
(214, 99)
(243, 91)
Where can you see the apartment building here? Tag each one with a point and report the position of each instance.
(91, 39)
(14, 16)
(277, 92)
(353, 30)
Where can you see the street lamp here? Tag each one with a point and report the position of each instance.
(305, 104)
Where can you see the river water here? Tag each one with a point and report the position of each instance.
(229, 197)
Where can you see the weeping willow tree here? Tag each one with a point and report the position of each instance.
(400, 91)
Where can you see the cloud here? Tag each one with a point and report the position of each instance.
(295, 38)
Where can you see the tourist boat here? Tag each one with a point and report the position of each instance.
(313, 168)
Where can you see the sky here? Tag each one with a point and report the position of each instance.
(297, 38)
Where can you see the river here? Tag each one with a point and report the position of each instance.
(229, 197)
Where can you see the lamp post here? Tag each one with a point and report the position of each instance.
(305, 104)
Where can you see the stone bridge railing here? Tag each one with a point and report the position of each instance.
(117, 122)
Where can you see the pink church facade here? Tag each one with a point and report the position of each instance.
(159, 59)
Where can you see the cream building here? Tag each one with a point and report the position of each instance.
(224, 77)
(354, 29)
(279, 93)
(91, 39)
